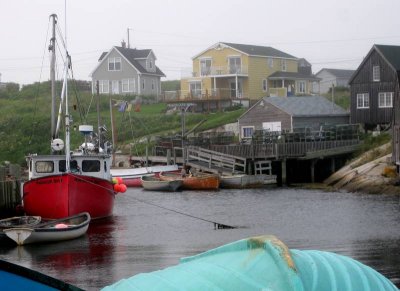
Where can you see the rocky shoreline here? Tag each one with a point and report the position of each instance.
(367, 174)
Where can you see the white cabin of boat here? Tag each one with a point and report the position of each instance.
(86, 165)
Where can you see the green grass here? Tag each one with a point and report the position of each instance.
(25, 121)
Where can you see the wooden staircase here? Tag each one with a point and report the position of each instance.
(215, 162)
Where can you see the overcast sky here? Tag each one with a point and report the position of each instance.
(329, 34)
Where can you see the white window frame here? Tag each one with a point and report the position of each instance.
(205, 70)
(363, 101)
(244, 129)
(235, 64)
(113, 64)
(143, 85)
(385, 99)
(265, 85)
(104, 86)
(301, 87)
(128, 85)
(153, 85)
(195, 88)
(376, 74)
(150, 64)
(283, 65)
(270, 62)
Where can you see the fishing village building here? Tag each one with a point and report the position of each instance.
(277, 114)
(230, 73)
(332, 77)
(127, 71)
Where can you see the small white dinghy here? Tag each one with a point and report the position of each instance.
(55, 230)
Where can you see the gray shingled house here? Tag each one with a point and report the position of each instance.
(127, 71)
(287, 114)
(335, 77)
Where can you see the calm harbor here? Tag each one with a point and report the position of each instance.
(153, 230)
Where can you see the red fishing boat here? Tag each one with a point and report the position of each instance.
(66, 183)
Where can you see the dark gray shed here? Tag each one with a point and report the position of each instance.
(277, 114)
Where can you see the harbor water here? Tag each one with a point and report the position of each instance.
(152, 230)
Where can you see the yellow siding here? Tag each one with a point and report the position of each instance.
(258, 70)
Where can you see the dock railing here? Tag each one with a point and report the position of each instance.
(220, 162)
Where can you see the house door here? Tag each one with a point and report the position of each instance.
(115, 87)
(235, 94)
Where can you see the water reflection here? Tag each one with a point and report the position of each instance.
(142, 237)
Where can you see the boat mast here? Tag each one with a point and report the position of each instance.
(52, 47)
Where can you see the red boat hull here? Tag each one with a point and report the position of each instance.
(64, 195)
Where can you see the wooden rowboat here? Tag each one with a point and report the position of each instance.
(156, 184)
(18, 221)
(247, 181)
(198, 181)
(55, 230)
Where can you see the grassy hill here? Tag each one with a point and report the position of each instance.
(25, 119)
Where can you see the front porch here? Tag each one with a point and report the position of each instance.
(287, 84)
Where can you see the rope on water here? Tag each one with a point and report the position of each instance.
(217, 225)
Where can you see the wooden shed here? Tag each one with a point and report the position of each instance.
(375, 86)
(288, 114)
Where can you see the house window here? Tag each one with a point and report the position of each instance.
(195, 89)
(103, 86)
(301, 87)
(362, 100)
(128, 85)
(265, 85)
(205, 67)
(376, 76)
(153, 85)
(385, 99)
(235, 65)
(247, 131)
(114, 64)
(283, 65)
(270, 62)
(150, 64)
(143, 84)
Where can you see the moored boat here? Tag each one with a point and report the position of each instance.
(15, 277)
(132, 176)
(197, 181)
(18, 221)
(156, 184)
(52, 231)
(65, 183)
(260, 263)
(246, 181)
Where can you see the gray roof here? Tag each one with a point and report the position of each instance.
(256, 50)
(278, 75)
(306, 106)
(391, 53)
(132, 55)
(339, 73)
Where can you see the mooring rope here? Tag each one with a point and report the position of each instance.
(217, 225)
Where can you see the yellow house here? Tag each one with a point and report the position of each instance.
(239, 71)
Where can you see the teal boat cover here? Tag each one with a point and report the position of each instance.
(260, 263)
